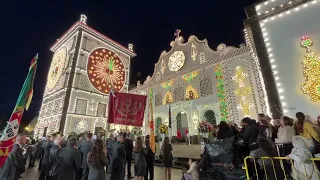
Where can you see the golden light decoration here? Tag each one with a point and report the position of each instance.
(191, 93)
(242, 91)
(167, 98)
(311, 71)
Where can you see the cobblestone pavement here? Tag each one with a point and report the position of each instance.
(33, 173)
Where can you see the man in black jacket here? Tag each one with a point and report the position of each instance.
(53, 164)
(128, 144)
(85, 147)
(46, 149)
(150, 160)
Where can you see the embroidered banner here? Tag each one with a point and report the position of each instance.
(126, 109)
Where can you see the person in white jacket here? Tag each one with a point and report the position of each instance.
(285, 131)
(192, 172)
(303, 167)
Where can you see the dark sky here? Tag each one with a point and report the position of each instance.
(30, 27)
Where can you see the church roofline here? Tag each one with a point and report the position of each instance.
(221, 56)
(80, 24)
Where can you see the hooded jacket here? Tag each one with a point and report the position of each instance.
(300, 154)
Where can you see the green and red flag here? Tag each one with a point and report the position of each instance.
(9, 134)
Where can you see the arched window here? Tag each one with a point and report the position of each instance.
(210, 117)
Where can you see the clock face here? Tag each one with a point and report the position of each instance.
(105, 71)
(57, 67)
(176, 61)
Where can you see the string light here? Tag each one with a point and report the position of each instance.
(221, 92)
(281, 90)
(167, 84)
(311, 71)
(191, 93)
(242, 91)
(167, 98)
(190, 76)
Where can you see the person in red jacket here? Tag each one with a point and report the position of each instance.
(187, 136)
(179, 136)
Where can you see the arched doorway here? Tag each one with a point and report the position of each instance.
(182, 124)
(210, 117)
(158, 123)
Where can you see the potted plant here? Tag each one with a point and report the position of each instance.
(163, 129)
(204, 128)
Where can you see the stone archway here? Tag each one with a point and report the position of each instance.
(214, 107)
(176, 108)
(182, 123)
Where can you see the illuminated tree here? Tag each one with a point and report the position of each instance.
(311, 71)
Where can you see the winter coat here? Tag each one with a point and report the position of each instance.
(193, 170)
(53, 164)
(300, 154)
(85, 147)
(285, 134)
(250, 133)
(69, 162)
(14, 166)
(97, 172)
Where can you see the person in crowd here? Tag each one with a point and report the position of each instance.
(286, 131)
(81, 139)
(300, 154)
(128, 144)
(69, 160)
(250, 133)
(187, 136)
(192, 173)
(273, 128)
(53, 164)
(264, 129)
(166, 149)
(97, 160)
(140, 163)
(306, 130)
(224, 131)
(64, 142)
(46, 152)
(14, 166)
(267, 149)
(85, 147)
(109, 142)
(40, 151)
(150, 156)
(118, 158)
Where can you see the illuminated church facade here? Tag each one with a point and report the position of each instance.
(85, 66)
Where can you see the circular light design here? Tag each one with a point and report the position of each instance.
(82, 126)
(105, 70)
(176, 61)
(57, 67)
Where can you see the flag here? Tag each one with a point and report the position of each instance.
(152, 140)
(9, 134)
(170, 116)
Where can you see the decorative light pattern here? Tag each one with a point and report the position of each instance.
(105, 70)
(190, 76)
(82, 126)
(270, 52)
(167, 98)
(191, 93)
(242, 91)
(202, 58)
(167, 84)
(163, 66)
(193, 52)
(311, 71)
(176, 61)
(57, 67)
(224, 114)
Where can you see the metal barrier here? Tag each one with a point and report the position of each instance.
(295, 174)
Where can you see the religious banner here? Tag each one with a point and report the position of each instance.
(126, 109)
(8, 137)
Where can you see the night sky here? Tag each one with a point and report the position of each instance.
(30, 27)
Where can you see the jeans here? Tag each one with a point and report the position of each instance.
(188, 176)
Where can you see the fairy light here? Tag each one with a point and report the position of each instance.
(191, 93)
(167, 98)
(311, 71)
(257, 64)
(273, 61)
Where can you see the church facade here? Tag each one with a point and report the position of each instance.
(85, 66)
(200, 83)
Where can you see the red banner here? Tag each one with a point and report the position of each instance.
(126, 109)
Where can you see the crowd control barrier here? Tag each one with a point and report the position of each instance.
(256, 168)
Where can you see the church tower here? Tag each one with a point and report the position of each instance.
(85, 66)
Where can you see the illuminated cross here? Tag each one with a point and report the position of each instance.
(83, 19)
(177, 33)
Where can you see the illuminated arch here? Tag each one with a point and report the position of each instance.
(191, 93)
(167, 98)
